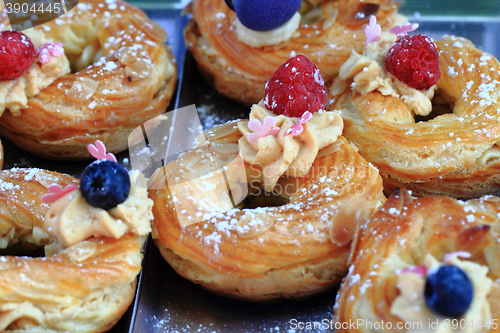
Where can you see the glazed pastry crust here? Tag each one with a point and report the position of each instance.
(401, 234)
(61, 126)
(85, 288)
(453, 153)
(295, 256)
(240, 72)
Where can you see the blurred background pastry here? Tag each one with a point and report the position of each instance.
(238, 51)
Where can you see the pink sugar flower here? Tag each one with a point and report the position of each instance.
(420, 270)
(45, 51)
(448, 257)
(261, 130)
(403, 30)
(372, 30)
(56, 191)
(99, 151)
(298, 128)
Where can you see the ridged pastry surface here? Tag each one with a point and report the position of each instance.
(240, 71)
(401, 234)
(454, 153)
(85, 288)
(292, 255)
(96, 36)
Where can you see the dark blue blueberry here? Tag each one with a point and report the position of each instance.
(448, 291)
(265, 15)
(105, 184)
(229, 3)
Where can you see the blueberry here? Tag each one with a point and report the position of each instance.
(105, 184)
(265, 15)
(448, 291)
(230, 4)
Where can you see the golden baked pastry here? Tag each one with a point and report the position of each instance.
(122, 75)
(269, 252)
(240, 71)
(85, 287)
(439, 141)
(384, 289)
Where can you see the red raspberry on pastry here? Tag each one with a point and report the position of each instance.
(296, 87)
(414, 60)
(16, 54)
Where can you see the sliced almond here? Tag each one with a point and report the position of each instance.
(330, 21)
(472, 239)
(254, 224)
(348, 219)
(138, 70)
(83, 88)
(127, 56)
(150, 28)
(397, 201)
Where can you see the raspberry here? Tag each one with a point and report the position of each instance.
(414, 60)
(16, 54)
(296, 87)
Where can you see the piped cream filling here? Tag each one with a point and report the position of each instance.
(288, 154)
(271, 37)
